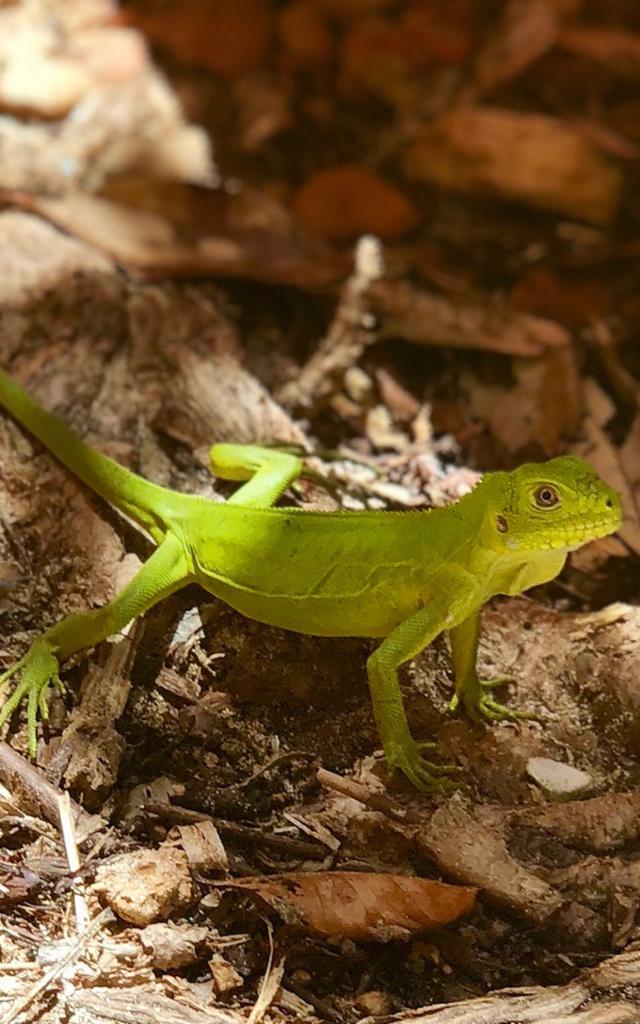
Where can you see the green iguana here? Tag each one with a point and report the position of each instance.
(404, 577)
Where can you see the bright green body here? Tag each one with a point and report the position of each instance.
(402, 576)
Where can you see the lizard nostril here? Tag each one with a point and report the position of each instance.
(609, 503)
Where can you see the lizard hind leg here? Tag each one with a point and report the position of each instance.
(163, 573)
(267, 472)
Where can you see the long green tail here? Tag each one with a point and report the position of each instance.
(129, 492)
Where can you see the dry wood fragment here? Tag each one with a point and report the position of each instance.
(89, 753)
(138, 1005)
(202, 845)
(146, 885)
(171, 945)
(607, 994)
(599, 825)
(35, 792)
(475, 855)
(537, 160)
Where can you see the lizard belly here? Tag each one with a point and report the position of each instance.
(312, 574)
(372, 615)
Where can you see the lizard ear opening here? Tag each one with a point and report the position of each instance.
(502, 525)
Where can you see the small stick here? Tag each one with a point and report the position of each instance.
(375, 801)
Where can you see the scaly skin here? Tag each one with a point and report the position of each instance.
(403, 577)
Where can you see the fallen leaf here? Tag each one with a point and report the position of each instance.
(426, 318)
(361, 905)
(526, 30)
(227, 37)
(304, 35)
(617, 49)
(605, 457)
(536, 413)
(342, 203)
(574, 301)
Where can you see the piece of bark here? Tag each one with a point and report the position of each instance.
(89, 753)
(32, 790)
(606, 994)
(429, 319)
(602, 824)
(146, 885)
(172, 945)
(468, 851)
(202, 845)
(138, 1005)
(540, 161)
(167, 228)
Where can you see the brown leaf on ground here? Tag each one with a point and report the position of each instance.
(385, 56)
(537, 412)
(526, 30)
(304, 35)
(167, 227)
(342, 203)
(227, 37)
(536, 160)
(617, 49)
(362, 905)
(573, 301)
(610, 461)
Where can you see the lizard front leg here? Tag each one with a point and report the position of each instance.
(471, 691)
(407, 640)
(164, 572)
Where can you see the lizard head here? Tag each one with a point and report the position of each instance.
(555, 505)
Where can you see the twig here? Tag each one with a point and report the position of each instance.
(71, 849)
(21, 1004)
(17, 772)
(270, 982)
(376, 801)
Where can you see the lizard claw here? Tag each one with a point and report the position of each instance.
(38, 668)
(480, 705)
(425, 775)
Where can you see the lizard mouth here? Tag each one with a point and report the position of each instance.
(578, 532)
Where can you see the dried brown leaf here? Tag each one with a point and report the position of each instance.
(363, 905)
(543, 406)
(609, 461)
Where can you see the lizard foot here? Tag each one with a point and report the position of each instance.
(479, 704)
(425, 775)
(37, 669)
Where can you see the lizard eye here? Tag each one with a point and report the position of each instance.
(546, 496)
